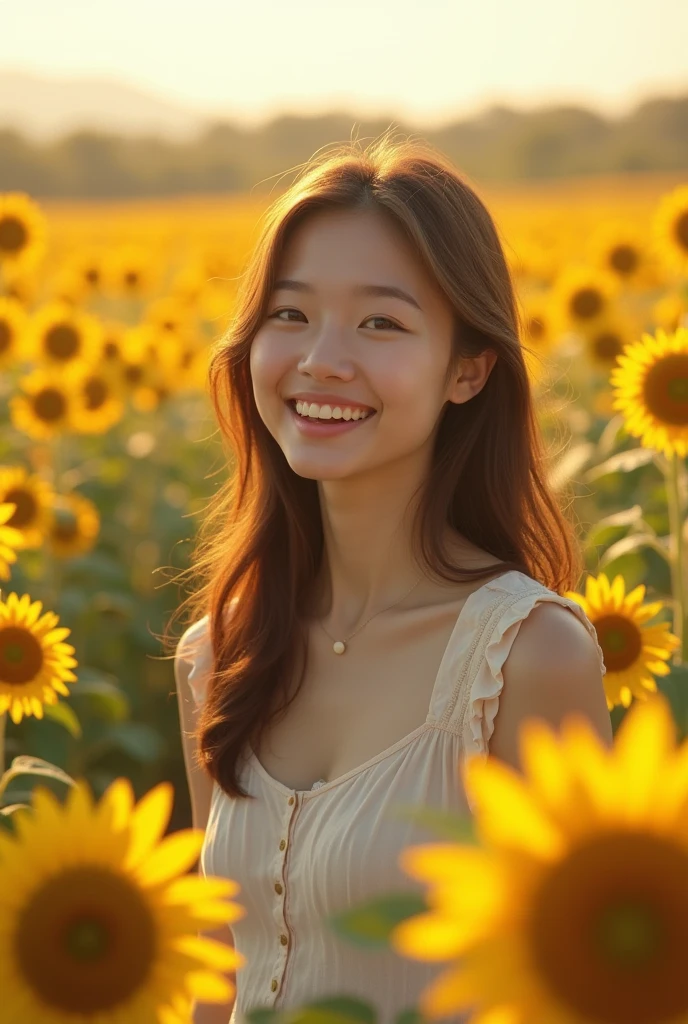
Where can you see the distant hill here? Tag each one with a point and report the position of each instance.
(99, 139)
(43, 109)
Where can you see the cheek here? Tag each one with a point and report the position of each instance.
(268, 364)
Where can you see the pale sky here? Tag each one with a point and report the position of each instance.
(425, 60)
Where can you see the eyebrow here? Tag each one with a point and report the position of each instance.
(378, 290)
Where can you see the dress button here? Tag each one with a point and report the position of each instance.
(291, 799)
(283, 843)
(284, 940)
(278, 888)
(274, 984)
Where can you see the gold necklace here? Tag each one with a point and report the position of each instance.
(339, 646)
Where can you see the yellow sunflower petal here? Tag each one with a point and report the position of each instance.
(216, 955)
(644, 743)
(508, 812)
(175, 854)
(208, 987)
(149, 821)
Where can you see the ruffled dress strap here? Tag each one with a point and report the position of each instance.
(478, 708)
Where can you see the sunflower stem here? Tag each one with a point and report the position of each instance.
(675, 487)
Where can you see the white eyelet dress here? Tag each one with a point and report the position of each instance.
(300, 856)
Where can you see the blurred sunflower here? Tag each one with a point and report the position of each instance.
(170, 315)
(33, 499)
(670, 229)
(34, 663)
(75, 526)
(574, 909)
(617, 247)
(146, 360)
(60, 334)
(10, 540)
(671, 311)
(605, 340)
(189, 282)
(633, 652)
(44, 410)
(86, 267)
(130, 270)
(98, 397)
(534, 261)
(19, 284)
(581, 295)
(23, 230)
(112, 340)
(13, 325)
(651, 390)
(538, 323)
(100, 918)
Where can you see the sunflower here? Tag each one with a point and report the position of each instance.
(34, 663)
(98, 397)
(651, 389)
(13, 323)
(32, 498)
(574, 910)
(582, 295)
(147, 359)
(22, 231)
(100, 920)
(671, 311)
(75, 526)
(606, 339)
(631, 649)
(19, 284)
(617, 247)
(670, 229)
(60, 334)
(170, 316)
(44, 410)
(10, 540)
(130, 271)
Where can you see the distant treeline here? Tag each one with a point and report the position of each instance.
(500, 145)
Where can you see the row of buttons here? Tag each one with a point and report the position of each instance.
(274, 985)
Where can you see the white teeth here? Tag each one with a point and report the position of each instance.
(325, 412)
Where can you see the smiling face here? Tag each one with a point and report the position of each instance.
(371, 349)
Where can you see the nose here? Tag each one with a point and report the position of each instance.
(326, 356)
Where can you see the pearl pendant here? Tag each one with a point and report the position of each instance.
(339, 647)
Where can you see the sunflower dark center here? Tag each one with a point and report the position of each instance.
(95, 392)
(86, 940)
(5, 336)
(92, 275)
(133, 374)
(21, 656)
(111, 349)
(586, 303)
(49, 404)
(13, 234)
(608, 929)
(666, 389)
(681, 230)
(607, 345)
(620, 640)
(624, 259)
(62, 341)
(131, 278)
(65, 525)
(26, 509)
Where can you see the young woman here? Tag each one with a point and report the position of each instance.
(381, 573)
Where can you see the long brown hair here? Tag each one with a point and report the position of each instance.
(260, 544)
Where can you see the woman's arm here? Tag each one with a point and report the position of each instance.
(200, 792)
(552, 670)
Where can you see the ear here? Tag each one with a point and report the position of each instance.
(472, 376)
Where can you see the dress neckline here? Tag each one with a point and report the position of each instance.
(424, 727)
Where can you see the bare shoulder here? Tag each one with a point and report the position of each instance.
(552, 670)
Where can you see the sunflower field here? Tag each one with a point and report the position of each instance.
(108, 451)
